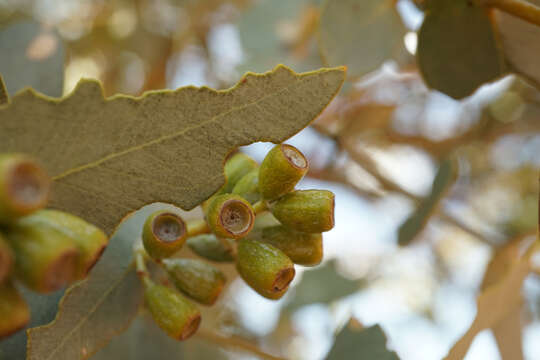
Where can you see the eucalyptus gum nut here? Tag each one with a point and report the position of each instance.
(235, 168)
(45, 258)
(173, 313)
(164, 233)
(230, 216)
(14, 312)
(310, 211)
(90, 240)
(210, 247)
(265, 268)
(24, 187)
(248, 187)
(302, 248)
(6, 259)
(281, 170)
(196, 279)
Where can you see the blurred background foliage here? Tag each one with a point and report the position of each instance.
(429, 188)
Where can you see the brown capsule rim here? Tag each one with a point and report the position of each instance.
(294, 157)
(164, 231)
(28, 186)
(225, 211)
(191, 327)
(283, 279)
(61, 271)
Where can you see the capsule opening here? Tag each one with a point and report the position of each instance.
(283, 279)
(191, 327)
(236, 217)
(295, 157)
(168, 227)
(28, 186)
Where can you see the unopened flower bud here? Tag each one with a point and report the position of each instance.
(198, 280)
(281, 170)
(265, 268)
(310, 211)
(14, 312)
(164, 233)
(210, 247)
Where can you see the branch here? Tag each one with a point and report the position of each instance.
(519, 8)
(233, 342)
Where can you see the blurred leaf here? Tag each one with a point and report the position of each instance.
(4, 98)
(268, 33)
(95, 310)
(43, 310)
(31, 56)
(366, 344)
(457, 48)
(507, 333)
(145, 340)
(499, 300)
(415, 223)
(322, 285)
(112, 156)
(520, 44)
(361, 34)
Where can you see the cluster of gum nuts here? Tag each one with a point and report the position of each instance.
(41, 249)
(256, 220)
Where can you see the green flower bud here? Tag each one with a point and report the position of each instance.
(198, 280)
(24, 186)
(248, 187)
(302, 248)
(210, 247)
(45, 257)
(230, 216)
(6, 259)
(176, 315)
(281, 170)
(90, 240)
(14, 311)
(164, 233)
(264, 267)
(235, 168)
(310, 211)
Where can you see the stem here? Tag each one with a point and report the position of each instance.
(260, 206)
(235, 343)
(519, 8)
(140, 263)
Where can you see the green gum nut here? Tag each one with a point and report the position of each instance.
(210, 247)
(24, 187)
(265, 268)
(248, 187)
(235, 168)
(163, 234)
(196, 279)
(176, 315)
(14, 311)
(90, 240)
(302, 248)
(230, 216)
(6, 259)
(310, 211)
(281, 170)
(45, 258)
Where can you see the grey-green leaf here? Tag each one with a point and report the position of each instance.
(109, 157)
(457, 48)
(322, 285)
(95, 310)
(416, 222)
(361, 34)
(366, 344)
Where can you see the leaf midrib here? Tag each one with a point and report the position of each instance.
(171, 136)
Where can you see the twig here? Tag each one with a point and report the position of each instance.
(519, 8)
(235, 343)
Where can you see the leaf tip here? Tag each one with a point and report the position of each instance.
(88, 87)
